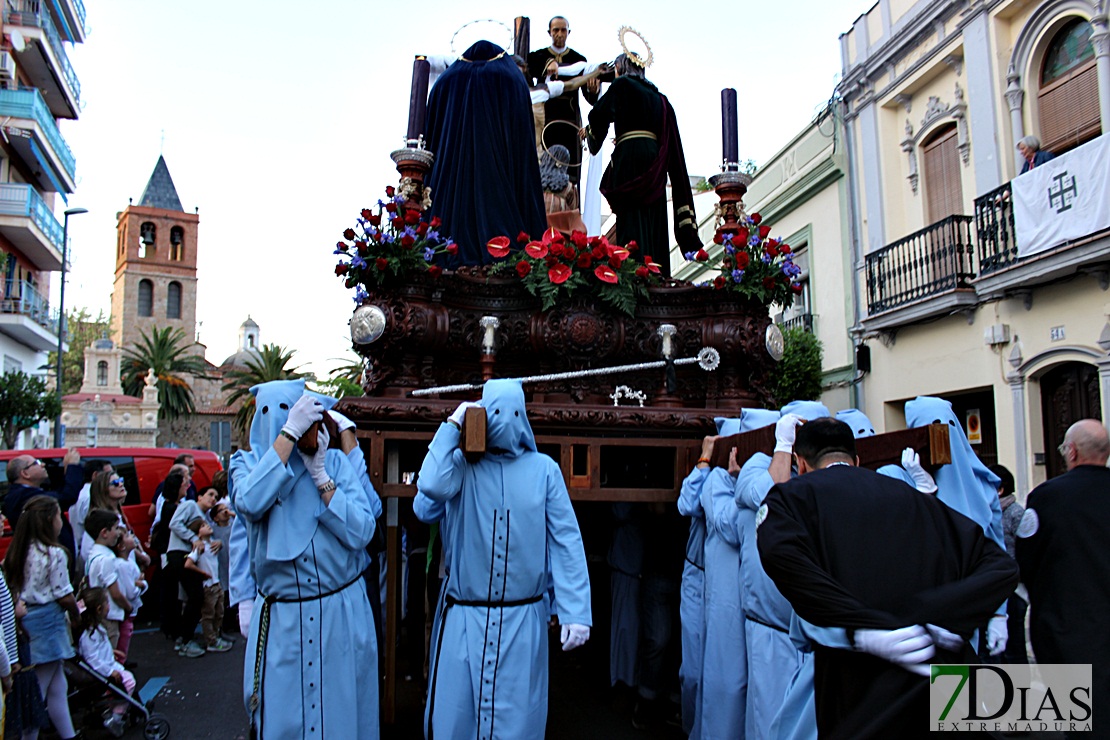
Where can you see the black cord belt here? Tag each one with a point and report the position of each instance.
(452, 601)
(750, 618)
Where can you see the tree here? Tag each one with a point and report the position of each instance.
(343, 380)
(81, 331)
(798, 375)
(24, 402)
(167, 351)
(271, 362)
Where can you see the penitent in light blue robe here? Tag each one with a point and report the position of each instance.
(318, 676)
(691, 603)
(508, 523)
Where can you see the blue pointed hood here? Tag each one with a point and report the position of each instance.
(861, 426)
(808, 410)
(749, 419)
(507, 426)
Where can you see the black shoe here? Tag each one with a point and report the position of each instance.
(642, 714)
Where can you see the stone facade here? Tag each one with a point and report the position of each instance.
(101, 415)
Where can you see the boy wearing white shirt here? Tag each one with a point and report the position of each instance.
(203, 561)
(101, 570)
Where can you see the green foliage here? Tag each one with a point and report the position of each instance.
(344, 380)
(169, 353)
(798, 375)
(24, 401)
(271, 363)
(81, 331)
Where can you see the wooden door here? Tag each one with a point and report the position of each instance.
(1069, 392)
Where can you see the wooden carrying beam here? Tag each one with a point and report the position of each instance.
(930, 442)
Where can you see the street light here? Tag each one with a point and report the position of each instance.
(62, 319)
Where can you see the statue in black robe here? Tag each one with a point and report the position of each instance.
(485, 179)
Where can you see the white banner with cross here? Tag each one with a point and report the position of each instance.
(1064, 199)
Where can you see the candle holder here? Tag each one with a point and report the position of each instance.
(666, 396)
(413, 163)
(730, 187)
(489, 326)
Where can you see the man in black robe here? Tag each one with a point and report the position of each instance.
(542, 63)
(907, 577)
(1061, 548)
(648, 151)
(485, 179)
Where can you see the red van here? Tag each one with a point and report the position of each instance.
(142, 470)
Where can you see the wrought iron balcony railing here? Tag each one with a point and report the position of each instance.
(801, 321)
(934, 260)
(31, 13)
(22, 298)
(18, 199)
(28, 103)
(994, 227)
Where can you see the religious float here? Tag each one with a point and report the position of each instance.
(624, 370)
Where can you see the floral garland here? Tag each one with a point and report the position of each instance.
(389, 245)
(554, 269)
(754, 263)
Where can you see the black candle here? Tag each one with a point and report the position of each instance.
(418, 98)
(728, 125)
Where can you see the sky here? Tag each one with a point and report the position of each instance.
(277, 118)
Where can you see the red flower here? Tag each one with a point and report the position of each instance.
(412, 217)
(349, 234)
(390, 191)
(740, 238)
(367, 214)
(579, 239)
(702, 256)
(742, 260)
(796, 287)
(558, 274)
(649, 263)
(391, 207)
(642, 272)
(768, 282)
(407, 241)
(551, 236)
(764, 232)
(718, 238)
(436, 222)
(584, 260)
(550, 260)
(523, 237)
(785, 249)
(498, 246)
(632, 246)
(619, 253)
(756, 218)
(719, 282)
(598, 252)
(523, 268)
(342, 268)
(435, 270)
(557, 250)
(374, 219)
(614, 263)
(362, 248)
(451, 248)
(771, 250)
(537, 250)
(398, 223)
(606, 275)
(341, 246)
(422, 229)
(381, 263)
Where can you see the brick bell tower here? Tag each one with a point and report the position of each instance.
(156, 264)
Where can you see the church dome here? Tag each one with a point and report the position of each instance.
(239, 359)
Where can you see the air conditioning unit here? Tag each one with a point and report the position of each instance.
(7, 65)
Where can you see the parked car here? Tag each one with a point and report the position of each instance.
(142, 470)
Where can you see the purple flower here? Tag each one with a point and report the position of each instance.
(432, 235)
(688, 255)
(737, 275)
(766, 258)
(372, 232)
(409, 231)
(360, 295)
(381, 203)
(358, 262)
(729, 248)
(429, 254)
(398, 199)
(754, 241)
(339, 251)
(387, 238)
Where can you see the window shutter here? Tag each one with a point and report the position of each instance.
(943, 190)
(1069, 109)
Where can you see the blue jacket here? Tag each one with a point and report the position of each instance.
(18, 495)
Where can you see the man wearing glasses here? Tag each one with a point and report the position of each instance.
(27, 478)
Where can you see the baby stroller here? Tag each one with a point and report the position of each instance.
(92, 697)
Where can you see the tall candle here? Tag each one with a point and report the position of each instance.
(728, 125)
(418, 98)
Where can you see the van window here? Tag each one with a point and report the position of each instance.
(124, 466)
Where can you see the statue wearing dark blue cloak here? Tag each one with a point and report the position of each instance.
(485, 179)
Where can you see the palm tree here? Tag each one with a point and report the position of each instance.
(167, 352)
(269, 363)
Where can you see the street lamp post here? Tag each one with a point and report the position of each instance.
(62, 319)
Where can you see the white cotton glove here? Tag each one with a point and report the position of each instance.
(998, 633)
(911, 461)
(785, 430)
(341, 421)
(574, 635)
(944, 639)
(305, 412)
(315, 463)
(904, 647)
(458, 414)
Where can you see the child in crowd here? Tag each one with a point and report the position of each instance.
(181, 542)
(96, 650)
(203, 561)
(101, 569)
(132, 584)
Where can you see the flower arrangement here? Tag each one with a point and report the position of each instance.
(554, 268)
(754, 263)
(389, 245)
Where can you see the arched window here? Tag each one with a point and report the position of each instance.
(177, 244)
(147, 233)
(146, 298)
(173, 300)
(943, 190)
(1068, 94)
(102, 372)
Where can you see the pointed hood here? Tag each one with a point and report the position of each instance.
(507, 427)
(808, 410)
(861, 426)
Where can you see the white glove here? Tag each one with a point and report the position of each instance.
(911, 461)
(315, 463)
(574, 635)
(785, 430)
(341, 421)
(903, 647)
(305, 412)
(458, 414)
(944, 639)
(998, 633)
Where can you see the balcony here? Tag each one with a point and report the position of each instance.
(43, 57)
(70, 18)
(801, 321)
(925, 274)
(26, 222)
(32, 131)
(26, 316)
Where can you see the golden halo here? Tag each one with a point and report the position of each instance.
(548, 151)
(466, 25)
(633, 56)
